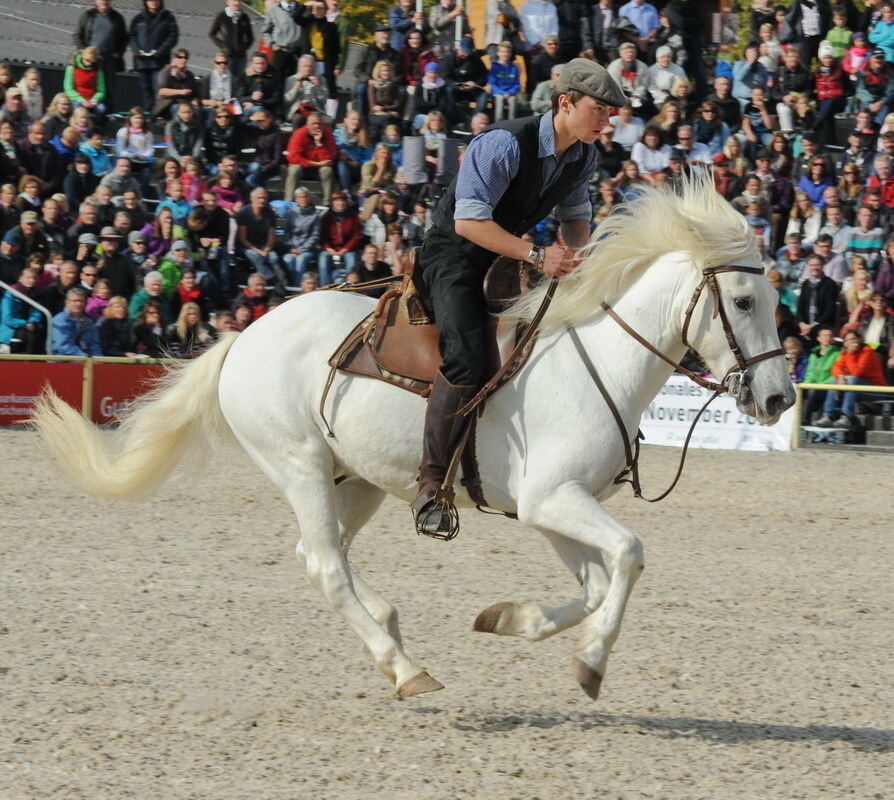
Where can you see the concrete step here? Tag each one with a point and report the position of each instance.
(880, 438)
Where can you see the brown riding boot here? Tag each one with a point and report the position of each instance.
(433, 507)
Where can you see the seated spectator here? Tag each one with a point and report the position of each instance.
(190, 336)
(661, 75)
(757, 222)
(105, 208)
(135, 141)
(668, 120)
(396, 253)
(224, 322)
(32, 92)
(610, 154)
(210, 234)
(466, 76)
(882, 180)
(875, 86)
(33, 240)
(256, 237)
(116, 331)
(131, 204)
(795, 357)
(52, 225)
(268, 150)
(193, 181)
(21, 324)
(753, 192)
(58, 112)
(393, 140)
(177, 85)
(770, 48)
(305, 93)
(738, 164)
(728, 106)
(748, 74)
(173, 265)
(379, 172)
(53, 297)
(784, 294)
(160, 233)
(312, 152)
(85, 82)
(12, 262)
(792, 262)
(384, 98)
(151, 292)
(259, 87)
(882, 32)
(541, 99)
(830, 86)
(121, 179)
(725, 183)
(14, 112)
(138, 256)
(302, 235)
(415, 55)
(113, 265)
(815, 182)
(254, 297)
(819, 370)
(149, 331)
(371, 268)
(40, 159)
(184, 134)
(858, 365)
(74, 334)
(792, 81)
(651, 154)
(219, 86)
(88, 275)
(416, 225)
(85, 222)
(242, 315)
(92, 147)
(224, 136)
(856, 300)
(836, 227)
(340, 236)
(818, 300)
(709, 129)
(190, 291)
(381, 50)
(434, 131)
(229, 193)
(877, 330)
(630, 184)
(805, 219)
(504, 79)
(630, 74)
(865, 238)
(430, 95)
(176, 203)
(168, 171)
(354, 150)
(98, 298)
(382, 214)
(757, 124)
(309, 283)
(67, 144)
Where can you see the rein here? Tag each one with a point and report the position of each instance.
(733, 382)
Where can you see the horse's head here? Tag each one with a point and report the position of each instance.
(732, 326)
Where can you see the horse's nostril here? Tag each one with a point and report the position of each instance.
(776, 404)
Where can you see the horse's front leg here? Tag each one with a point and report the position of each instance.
(571, 511)
(534, 621)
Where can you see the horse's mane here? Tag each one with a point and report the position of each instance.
(696, 220)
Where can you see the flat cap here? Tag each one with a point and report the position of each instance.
(590, 78)
(88, 238)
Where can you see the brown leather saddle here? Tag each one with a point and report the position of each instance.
(398, 342)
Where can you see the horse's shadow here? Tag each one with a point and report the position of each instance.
(718, 731)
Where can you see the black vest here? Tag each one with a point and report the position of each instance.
(520, 208)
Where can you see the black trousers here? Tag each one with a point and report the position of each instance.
(454, 288)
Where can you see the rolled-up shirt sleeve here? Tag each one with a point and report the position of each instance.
(488, 167)
(576, 204)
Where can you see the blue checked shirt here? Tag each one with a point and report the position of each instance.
(491, 163)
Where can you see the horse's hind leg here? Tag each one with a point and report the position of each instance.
(536, 622)
(312, 495)
(356, 501)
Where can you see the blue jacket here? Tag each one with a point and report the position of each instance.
(100, 162)
(303, 228)
(504, 78)
(883, 36)
(745, 79)
(75, 337)
(180, 209)
(14, 313)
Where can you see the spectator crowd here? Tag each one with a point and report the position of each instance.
(133, 225)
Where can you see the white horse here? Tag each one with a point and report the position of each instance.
(548, 447)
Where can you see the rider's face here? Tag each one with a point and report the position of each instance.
(586, 118)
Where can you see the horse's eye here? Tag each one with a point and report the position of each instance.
(743, 303)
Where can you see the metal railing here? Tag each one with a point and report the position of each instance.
(38, 306)
(828, 387)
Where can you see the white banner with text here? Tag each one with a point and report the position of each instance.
(722, 426)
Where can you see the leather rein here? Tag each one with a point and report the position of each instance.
(733, 382)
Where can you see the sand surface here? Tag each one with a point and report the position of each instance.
(172, 649)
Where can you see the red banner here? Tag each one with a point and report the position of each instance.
(116, 385)
(22, 381)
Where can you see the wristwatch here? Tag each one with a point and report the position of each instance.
(536, 257)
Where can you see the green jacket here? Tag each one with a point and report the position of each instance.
(819, 367)
(141, 298)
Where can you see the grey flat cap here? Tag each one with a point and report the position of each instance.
(590, 78)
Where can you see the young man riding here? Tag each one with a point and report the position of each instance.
(512, 175)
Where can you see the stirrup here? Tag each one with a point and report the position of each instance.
(437, 517)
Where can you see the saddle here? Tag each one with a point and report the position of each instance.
(398, 342)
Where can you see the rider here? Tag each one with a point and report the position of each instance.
(512, 175)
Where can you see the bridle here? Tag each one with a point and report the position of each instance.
(733, 383)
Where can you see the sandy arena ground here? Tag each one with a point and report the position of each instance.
(172, 649)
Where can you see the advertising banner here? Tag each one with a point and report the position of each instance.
(116, 385)
(722, 427)
(22, 381)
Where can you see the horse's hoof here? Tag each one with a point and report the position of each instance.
(487, 620)
(419, 684)
(587, 677)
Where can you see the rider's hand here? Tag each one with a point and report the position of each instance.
(559, 261)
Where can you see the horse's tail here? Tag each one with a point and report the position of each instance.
(182, 412)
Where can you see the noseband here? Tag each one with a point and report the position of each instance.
(733, 383)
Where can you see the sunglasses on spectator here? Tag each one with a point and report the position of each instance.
(88, 274)
(707, 111)
(220, 62)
